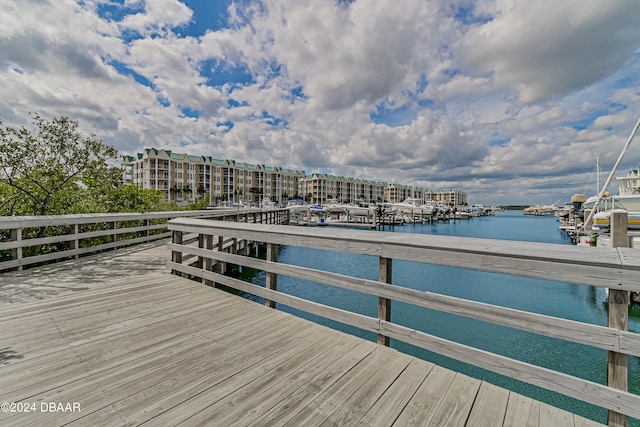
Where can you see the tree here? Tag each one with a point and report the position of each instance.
(201, 190)
(203, 203)
(131, 198)
(54, 169)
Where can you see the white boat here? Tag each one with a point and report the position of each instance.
(336, 209)
(601, 220)
(629, 191)
(442, 208)
(629, 186)
(415, 207)
(267, 204)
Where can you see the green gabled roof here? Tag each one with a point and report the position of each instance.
(178, 156)
(295, 172)
(252, 167)
(217, 162)
(196, 158)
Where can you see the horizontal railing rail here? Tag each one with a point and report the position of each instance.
(613, 268)
(30, 240)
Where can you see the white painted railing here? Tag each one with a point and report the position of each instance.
(615, 268)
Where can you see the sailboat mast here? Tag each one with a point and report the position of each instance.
(597, 173)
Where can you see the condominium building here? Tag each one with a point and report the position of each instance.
(187, 178)
(396, 193)
(319, 188)
(450, 197)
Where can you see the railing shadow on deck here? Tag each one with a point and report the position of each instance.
(614, 268)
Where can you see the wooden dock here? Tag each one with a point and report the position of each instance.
(114, 339)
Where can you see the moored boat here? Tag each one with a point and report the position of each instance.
(601, 220)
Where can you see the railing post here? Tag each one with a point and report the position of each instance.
(208, 262)
(272, 278)
(16, 254)
(76, 242)
(176, 237)
(221, 264)
(618, 376)
(114, 226)
(384, 304)
(200, 263)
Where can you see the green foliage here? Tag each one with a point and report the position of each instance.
(130, 198)
(50, 168)
(53, 169)
(514, 207)
(200, 204)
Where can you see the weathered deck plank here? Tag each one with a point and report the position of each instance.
(385, 411)
(426, 399)
(522, 411)
(326, 403)
(489, 407)
(149, 347)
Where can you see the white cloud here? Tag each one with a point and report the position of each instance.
(486, 91)
(548, 49)
(158, 15)
(345, 55)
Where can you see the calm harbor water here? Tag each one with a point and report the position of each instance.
(576, 302)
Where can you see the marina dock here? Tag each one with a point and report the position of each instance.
(124, 342)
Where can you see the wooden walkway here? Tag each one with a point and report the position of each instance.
(114, 339)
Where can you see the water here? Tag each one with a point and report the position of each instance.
(576, 302)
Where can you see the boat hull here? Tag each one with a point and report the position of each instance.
(601, 220)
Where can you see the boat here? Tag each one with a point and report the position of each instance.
(629, 191)
(267, 204)
(414, 206)
(601, 220)
(629, 186)
(336, 209)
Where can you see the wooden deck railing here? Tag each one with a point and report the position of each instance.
(617, 269)
(29, 240)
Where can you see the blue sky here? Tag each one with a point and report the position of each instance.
(508, 101)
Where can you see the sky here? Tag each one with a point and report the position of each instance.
(510, 101)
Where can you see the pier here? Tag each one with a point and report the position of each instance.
(129, 342)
